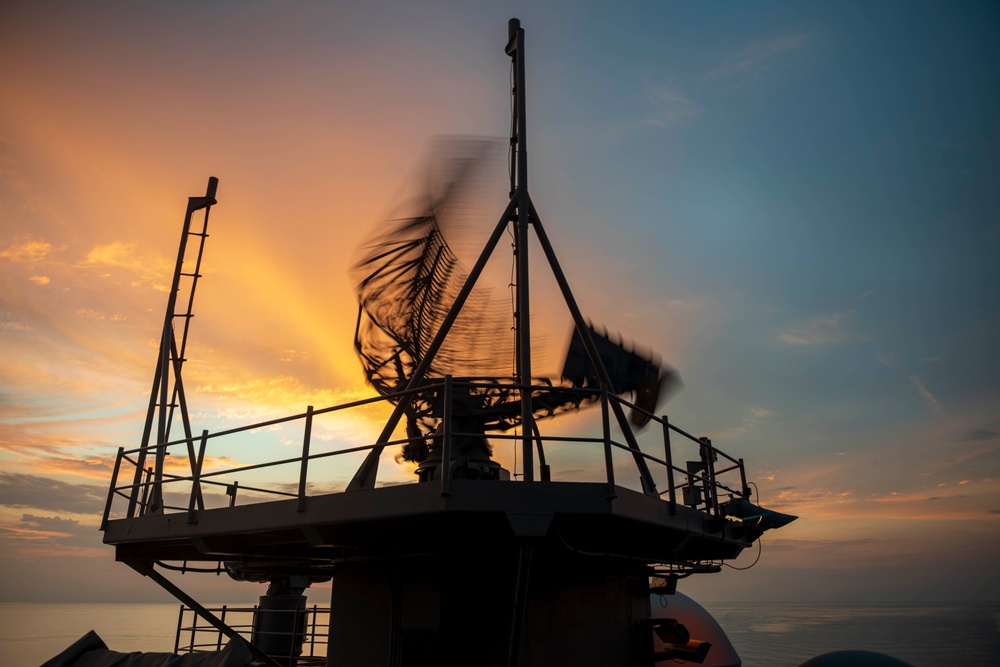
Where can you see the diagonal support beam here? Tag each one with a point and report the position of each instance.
(181, 400)
(364, 478)
(146, 569)
(648, 486)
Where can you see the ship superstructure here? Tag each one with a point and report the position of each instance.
(470, 563)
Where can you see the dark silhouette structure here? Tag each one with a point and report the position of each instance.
(464, 565)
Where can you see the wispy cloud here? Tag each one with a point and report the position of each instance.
(138, 267)
(959, 457)
(668, 107)
(90, 314)
(889, 361)
(756, 417)
(757, 57)
(821, 500)
(823, 330)
(29, 251)
(143, 266)
(815, 503)
(33, 491)
(826, 545)
(924, 392)
(980, 434)
(40, 536)
(283, 391)
(681, 303)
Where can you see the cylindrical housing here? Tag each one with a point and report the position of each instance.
(279, 627)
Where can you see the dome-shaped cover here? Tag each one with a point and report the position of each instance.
(853, 658)
(701, 626)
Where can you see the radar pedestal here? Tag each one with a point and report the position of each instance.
(471, 453)
(279, 624)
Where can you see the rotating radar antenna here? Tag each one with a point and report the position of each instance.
(423, 315)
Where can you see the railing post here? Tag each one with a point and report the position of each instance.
(194, 631)
(177, 636)
(312, 634)
(111, 491)
(218, 642)
(196, 481)
(708, 456)
(606, 425)
(145, 491)
(743, 478)
(304, 468)
(446, 439)
(669, 458)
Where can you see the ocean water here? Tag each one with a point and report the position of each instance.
(31, 633)
(765, 635)
(779, 635)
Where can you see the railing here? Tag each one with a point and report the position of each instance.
(310, 641)
(699, 483)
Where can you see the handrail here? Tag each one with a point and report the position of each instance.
(290, 418)
(205, 638)
(701, 473)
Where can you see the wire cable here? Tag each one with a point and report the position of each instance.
(760, 550)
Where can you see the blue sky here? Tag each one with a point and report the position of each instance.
(796, 204)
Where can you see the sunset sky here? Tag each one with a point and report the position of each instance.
(797, 205)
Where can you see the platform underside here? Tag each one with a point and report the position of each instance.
(416, 519)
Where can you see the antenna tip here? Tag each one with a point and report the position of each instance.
(513, 26)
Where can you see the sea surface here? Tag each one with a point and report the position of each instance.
(780, 635)
(765, 635)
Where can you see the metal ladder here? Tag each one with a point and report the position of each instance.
(165, 397)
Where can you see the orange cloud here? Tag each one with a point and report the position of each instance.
(27, 252)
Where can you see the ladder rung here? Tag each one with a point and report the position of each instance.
(201, 234)
(191, 275)
(183, 314)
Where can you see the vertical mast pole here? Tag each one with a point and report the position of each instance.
(515, 49)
